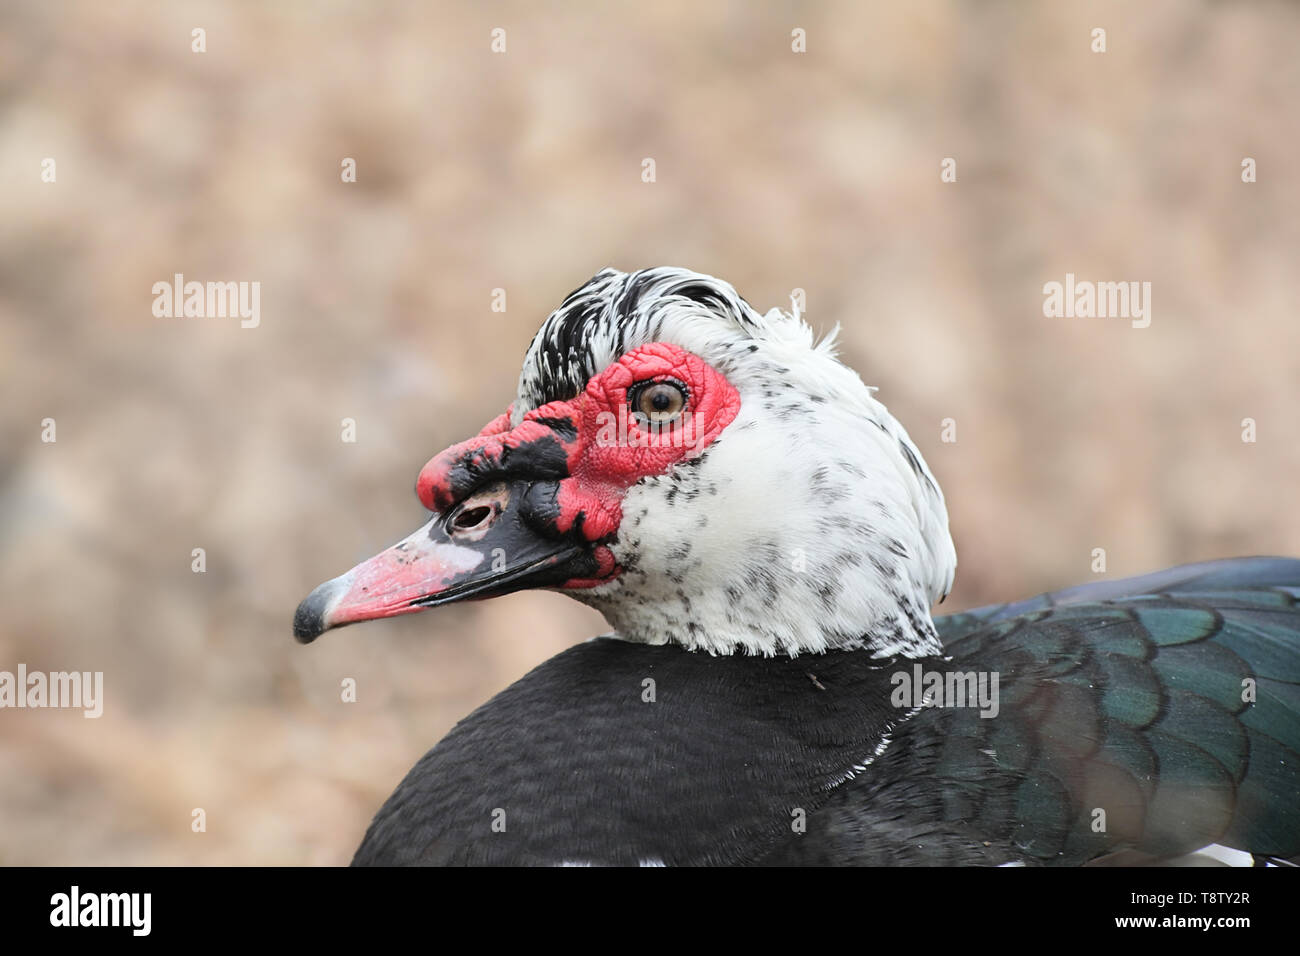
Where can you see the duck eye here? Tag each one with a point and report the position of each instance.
(657, 403)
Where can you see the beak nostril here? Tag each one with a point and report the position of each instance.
(470, 518)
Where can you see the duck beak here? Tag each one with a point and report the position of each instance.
(492, 543)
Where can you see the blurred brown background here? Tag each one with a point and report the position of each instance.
(522, 171)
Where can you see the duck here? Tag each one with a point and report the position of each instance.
(767, 543)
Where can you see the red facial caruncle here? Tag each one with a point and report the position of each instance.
(597, 441)
(557, 482)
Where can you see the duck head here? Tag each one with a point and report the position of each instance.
(698, 472)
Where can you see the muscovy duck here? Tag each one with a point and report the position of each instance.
(767, 542)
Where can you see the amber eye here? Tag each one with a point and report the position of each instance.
(657, 403)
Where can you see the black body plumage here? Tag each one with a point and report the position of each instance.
(1170, 703)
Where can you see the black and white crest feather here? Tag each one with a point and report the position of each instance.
(609, 314)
